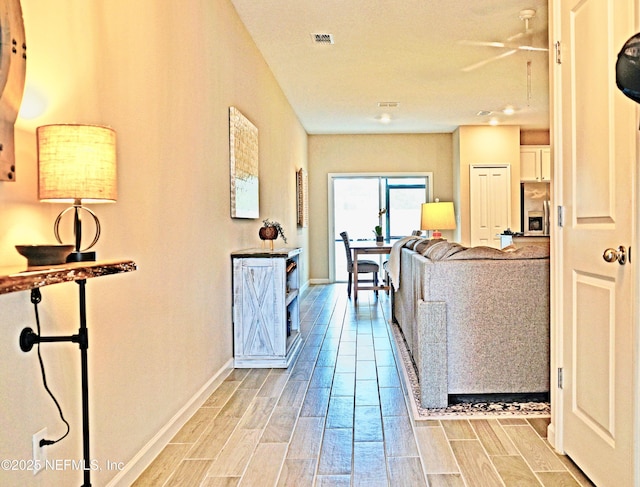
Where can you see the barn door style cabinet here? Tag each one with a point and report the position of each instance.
(266, 308)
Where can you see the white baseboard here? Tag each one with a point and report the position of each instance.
(551, 436)
(152, 449)
(319, 281)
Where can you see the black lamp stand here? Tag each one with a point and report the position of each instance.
(28, 338)
(78, 254)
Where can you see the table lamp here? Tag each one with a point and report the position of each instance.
(77, 164)
(438, 216)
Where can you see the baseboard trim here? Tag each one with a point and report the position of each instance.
(319, 281)
(152, 449)
(551, 437)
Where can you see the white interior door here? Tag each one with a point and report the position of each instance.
(490, 198)
(597, 141)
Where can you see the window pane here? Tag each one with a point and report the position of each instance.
(404, 210)
(356, 207)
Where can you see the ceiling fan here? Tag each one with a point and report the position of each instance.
(521, 41)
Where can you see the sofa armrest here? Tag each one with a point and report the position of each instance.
(431, 361)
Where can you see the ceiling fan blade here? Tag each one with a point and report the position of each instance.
(531, 48)
(483, 43)
(522, 47)
(516, 36)
(489, 60)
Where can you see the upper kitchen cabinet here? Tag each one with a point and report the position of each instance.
(535, 163)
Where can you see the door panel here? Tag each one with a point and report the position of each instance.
(597, 142)
(593, 345)
(490, 199)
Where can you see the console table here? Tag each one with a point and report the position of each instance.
(14, 279)
(266, 309)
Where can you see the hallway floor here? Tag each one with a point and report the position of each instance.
(338, 417)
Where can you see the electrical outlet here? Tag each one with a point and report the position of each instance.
(39, 452)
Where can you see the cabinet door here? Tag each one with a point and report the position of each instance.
(545, 164)
(529, 164)
(259, 321)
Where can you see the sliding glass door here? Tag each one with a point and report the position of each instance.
(359, 202)
(404, 197)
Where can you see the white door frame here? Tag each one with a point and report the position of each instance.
(345, 175)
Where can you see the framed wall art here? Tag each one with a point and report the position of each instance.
(243, 157)
(302, 194)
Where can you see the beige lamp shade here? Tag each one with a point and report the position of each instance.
(76, 162)
(438, 216)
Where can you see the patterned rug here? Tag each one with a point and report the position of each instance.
(467, 410)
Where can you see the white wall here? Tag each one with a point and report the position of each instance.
(163, 74)
(484, 145)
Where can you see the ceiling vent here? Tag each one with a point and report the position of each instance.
(388, 104)
(321, 38)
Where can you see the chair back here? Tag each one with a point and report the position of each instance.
(347, 247)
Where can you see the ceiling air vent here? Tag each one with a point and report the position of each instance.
(388, 104)
(320, 38)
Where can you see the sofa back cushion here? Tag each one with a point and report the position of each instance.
(444, 250)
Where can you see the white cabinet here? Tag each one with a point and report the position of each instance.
(266, 309)
(535, 163)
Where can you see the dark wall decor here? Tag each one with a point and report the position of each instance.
(13, 61)
(302, 197)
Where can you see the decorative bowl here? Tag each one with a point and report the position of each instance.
(38, 255)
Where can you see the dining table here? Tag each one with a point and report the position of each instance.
(368, 247)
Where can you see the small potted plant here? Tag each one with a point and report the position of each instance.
(271, 230)
(378, 233)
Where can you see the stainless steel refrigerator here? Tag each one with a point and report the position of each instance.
(534, 208)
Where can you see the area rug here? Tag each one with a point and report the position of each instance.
(462, 410)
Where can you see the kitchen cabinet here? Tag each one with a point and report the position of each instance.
(266, 307)
(535, 163)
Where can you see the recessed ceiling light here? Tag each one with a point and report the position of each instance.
(509, 110)
(384, 118)
(493, 122)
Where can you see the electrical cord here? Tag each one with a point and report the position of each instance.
(36, 297)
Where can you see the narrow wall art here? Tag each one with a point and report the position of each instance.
(243, 157)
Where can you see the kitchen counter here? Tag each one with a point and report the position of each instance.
(524, 240)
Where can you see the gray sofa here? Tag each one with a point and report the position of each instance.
(475, 320)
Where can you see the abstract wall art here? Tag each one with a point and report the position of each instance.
(243, 157)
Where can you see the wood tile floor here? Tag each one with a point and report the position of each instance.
(338, 417)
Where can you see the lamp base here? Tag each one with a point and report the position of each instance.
(81, 257)
(436, 234)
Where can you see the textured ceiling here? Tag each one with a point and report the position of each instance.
(408, 51)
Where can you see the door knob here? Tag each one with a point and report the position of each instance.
(613, 255)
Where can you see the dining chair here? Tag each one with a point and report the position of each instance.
(364, 266)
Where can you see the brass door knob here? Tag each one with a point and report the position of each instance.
(613, 255)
